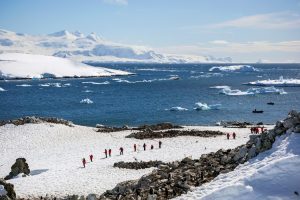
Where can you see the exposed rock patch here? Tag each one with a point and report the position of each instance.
(138, 165)
(36, 120)
(9, 188)
(20, 166)
(147, 134)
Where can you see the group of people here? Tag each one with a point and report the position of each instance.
(233, 135)
(109, 151)
(256, 130)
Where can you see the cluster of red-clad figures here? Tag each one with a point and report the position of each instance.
(255, 130)
(233, 135)
(109, 151)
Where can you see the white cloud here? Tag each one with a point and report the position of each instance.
(116, 2)
(280, 20)
(222, 42)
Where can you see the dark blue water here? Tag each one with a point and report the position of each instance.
(135, 103)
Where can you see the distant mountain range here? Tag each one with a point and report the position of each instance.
(90, 48)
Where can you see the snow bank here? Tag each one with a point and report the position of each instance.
(277, 82)
(58, 171)
(86, 101)
(234, 68)
(273, 174)
(17, 65)
(177, 108)
(204, 106)
(251, 91)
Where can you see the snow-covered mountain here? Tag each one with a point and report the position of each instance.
(89, 48)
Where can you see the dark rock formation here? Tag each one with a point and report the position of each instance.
(108, 129)
(20, 166)
(36, 120)
(157, 127)
(11, 194)
(173, 133)
(235, 124)
(138, 165)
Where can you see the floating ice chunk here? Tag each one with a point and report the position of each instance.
(252, 91)
(277, 82)
(96, 83)
(86, 101)
(178, 108)
(204, 106)
(88, 91)
(2, 90)
(24, 85)
(234, 68)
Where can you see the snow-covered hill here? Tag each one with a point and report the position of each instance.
(90, 48)
(19, 65)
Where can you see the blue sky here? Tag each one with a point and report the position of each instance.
(246, 30)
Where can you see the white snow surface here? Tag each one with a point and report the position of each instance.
(91, 49)
(234, 68)
(276, 82)
(54, 153)
(19, 65)
(272, 175)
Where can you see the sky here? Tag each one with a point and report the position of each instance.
(246, 30)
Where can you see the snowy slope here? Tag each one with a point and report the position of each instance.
(273, 174)
(54, 154)
(17, 65)
(90, 48)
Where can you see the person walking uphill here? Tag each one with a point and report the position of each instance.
(83, 162)
(144, 146)
(121, 150)
(91, 157)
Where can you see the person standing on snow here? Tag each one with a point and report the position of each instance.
(91, 157)
(233, 135)
(134, 147)
(144, 146)
(152, 147)
(228, 135)
(121, 150)
(159, 144)
(83, 162)
(109, 152)
(105, 152)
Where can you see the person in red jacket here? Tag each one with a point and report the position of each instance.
(121, 150)
(144, 146)
(91, 157)
(228, 135)
(105, 152)
(109, 152)
(83, 162)
(233, 135)
(134, 147)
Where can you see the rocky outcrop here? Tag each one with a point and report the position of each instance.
(20, 166)
(149, 134)
(9, 188)
(138, 165)
(36, 120)
(170, 180)
(234, 124)
(108, 129)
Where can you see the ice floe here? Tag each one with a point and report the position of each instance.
(234, 68)
(282, 82)
(86, 101)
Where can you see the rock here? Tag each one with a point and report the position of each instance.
(9, 188)
(293, 113)
(252, 152)
(241, 153)
(20, 166)
(91, 197)
(297, 129)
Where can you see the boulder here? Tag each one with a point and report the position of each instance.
(241, 153)
(20, 166)
(9, 188)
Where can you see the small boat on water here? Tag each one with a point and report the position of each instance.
(257, 111)
(270, 103)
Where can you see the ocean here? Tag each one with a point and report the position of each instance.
(185, 94)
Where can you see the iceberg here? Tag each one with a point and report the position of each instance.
(234, 68)
(29, 66)
(277, 82)
(204, 106)
(251, 91)
(2, 90)
(86, 101)
(178, 108)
